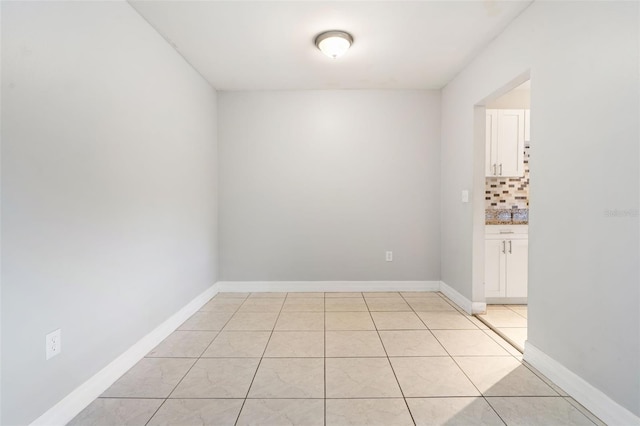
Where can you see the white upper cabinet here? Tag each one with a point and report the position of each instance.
(505, 143)
(491, 141)
(527, 125)
(510, 142)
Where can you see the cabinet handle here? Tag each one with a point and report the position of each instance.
(504, 245)
(500, 169)
(510, 252)
(494, 169)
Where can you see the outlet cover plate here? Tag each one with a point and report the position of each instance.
(53, 343)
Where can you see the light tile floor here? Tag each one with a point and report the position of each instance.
(307, 359)
(510, 321)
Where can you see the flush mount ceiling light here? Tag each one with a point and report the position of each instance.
(334, 43)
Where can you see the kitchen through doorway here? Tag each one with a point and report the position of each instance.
(506, 214)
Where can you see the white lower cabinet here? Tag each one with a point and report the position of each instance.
(506, 266)
(517, 267)
(495, 271)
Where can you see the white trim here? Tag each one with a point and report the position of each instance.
(478, 308)
(579, 389)
(328, 286)
(467, 305)
(507, 300)
(65, 410)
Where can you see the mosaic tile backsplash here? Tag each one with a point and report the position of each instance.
(508, 193)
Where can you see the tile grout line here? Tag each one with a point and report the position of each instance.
(195, 362)
(352, 397)
(389, 360)
(524, 365)
(155, 412)
(494, 409)
(223, 326)
(473, 384)
(544, 379)
(486, 332)
(318, 331)
(457, 365)
(513, 310)
(324, 363)
(261, 358)
(499, 333)
(567, 398)
(446, 299)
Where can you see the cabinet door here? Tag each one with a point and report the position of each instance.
(510, 142)
(517, 268)
(494, 268)
(490, 158)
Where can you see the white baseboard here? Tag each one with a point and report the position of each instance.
(65, 410)
(586, 394)
(327, 286)
(467, 305)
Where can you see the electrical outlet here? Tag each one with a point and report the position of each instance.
(53, 343)
(389, 256)
(465, 196)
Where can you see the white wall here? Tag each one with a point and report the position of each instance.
(583, 272)
(317, 185)
(108, 192)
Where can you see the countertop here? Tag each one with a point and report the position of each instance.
(506, 216)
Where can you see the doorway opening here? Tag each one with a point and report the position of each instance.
(501, 209)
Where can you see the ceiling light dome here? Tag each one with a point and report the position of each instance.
(334, 43)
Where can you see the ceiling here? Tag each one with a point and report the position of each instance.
(268, 45)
